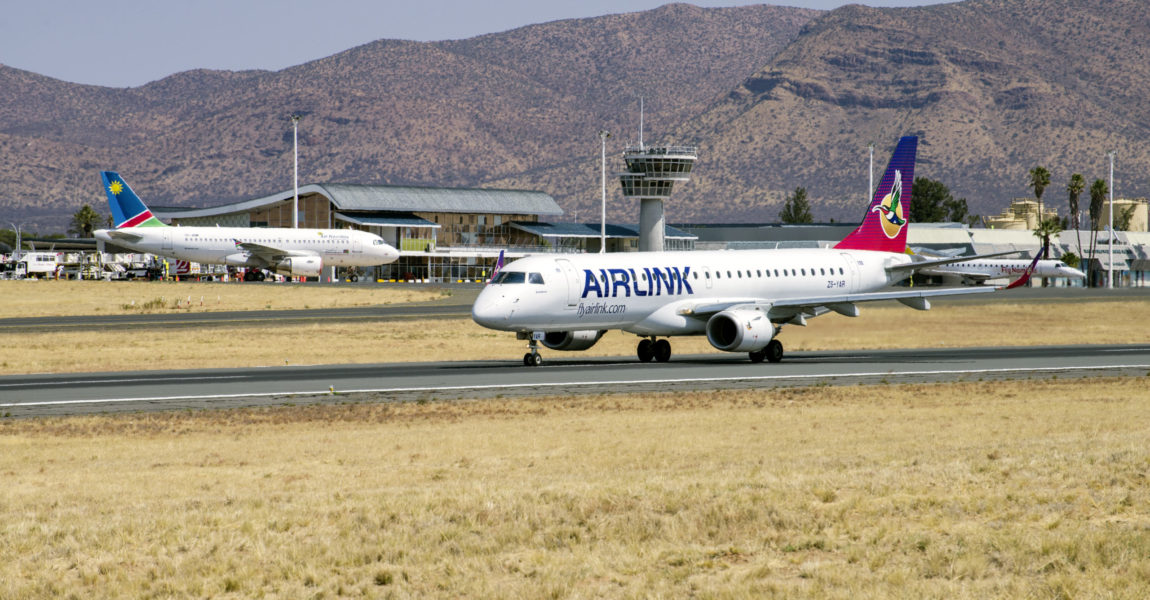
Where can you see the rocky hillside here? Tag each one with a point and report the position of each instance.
(465, 112)
(775, 98)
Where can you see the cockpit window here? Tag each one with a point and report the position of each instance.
(377, 242)
(510, 277)
(536, 278)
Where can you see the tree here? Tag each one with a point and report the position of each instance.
(1074, 190)
(796, 209)
(1047, 229)
(1122, 221)
(931, 202)
(1071, 259)
(1039, 179)
(85, 221)
(1098, 191)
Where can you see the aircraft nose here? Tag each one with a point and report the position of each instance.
(490, 310)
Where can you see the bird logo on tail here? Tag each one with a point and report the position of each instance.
(890, 209)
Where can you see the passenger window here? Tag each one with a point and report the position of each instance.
(804, 271)
(536, 278)
(822, 271)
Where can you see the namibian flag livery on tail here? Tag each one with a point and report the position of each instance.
(127, 208)
(884, 226)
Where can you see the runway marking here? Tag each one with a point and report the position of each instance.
(326, 392)
(40, 384)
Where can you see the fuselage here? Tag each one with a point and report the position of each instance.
(653, 293)
(1006, 268)
(218, 245)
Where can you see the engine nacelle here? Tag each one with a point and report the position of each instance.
(299, 266)
(572, 340)
(740, 330)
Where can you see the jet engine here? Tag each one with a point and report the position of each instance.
(299, 266)
(572, 340)
(740, 330)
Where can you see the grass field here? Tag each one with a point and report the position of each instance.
(1026, 489)
(34, 298)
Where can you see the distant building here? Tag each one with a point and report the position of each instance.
(1022, 214)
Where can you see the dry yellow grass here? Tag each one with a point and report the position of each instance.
(886, 326)
(32, 298)
(1007, 490)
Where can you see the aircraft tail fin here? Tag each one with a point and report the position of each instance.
(884, 226)
(127, 208)
(498, 266)
(1025, 278)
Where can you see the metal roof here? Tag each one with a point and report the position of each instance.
(592, 230)
(386, 220)
(349, 197)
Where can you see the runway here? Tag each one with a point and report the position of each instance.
(69, 394)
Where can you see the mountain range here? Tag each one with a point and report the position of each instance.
(775, 98)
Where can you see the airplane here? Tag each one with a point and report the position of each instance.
(977, 270)
(739, 299)
(291, 252)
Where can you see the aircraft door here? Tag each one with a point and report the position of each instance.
(852, 272)
(574, 289)
(166, 240)
(707, 276)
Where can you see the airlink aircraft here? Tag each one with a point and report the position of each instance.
(291, 252)
(738, 299)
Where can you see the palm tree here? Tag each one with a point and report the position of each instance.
(1074, 189)
(85, 221)
(1098, 191)
(1039, 179)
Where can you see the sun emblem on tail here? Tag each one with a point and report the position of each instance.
(115, 187)
(890, 209)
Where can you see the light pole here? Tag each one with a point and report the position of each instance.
(603, 135)
(870, 188)
(1110, 269)
(295, 154)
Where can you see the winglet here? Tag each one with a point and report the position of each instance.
(127, 208)
(498, 266)
(884, 226)
(1021, 281)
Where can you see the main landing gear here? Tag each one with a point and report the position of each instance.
(651, 348)
(773, 352)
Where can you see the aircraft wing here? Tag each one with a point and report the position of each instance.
(117, 234)
(267, 254)
(922, 264)
(977, 277)
(797, 310)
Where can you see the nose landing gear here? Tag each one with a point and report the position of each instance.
(532, 358)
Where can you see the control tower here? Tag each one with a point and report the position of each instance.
(650, 177)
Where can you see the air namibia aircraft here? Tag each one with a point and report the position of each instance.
(291, 252)
(739, 299)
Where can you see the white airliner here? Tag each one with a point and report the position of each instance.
(979, 270)
(739, 299)
(291, 252)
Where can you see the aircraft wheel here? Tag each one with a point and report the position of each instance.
(757, 356)
(774, 351)
(645, 351)
(662, 350)
(260, 276)
(532, 360)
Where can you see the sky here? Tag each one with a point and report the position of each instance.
(127, 43)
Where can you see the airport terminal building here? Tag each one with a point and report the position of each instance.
(443, 234)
